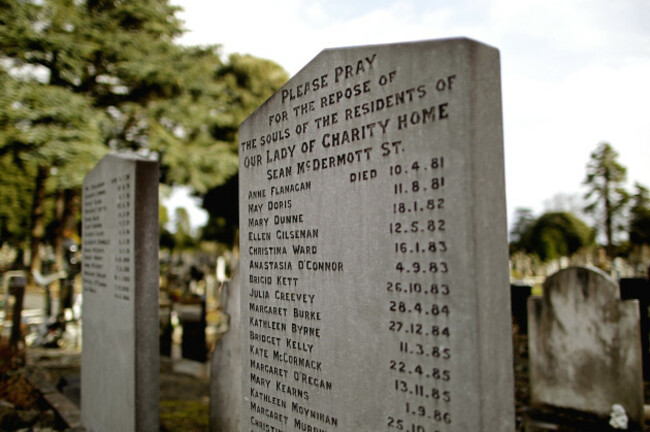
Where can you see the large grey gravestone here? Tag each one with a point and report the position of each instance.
(374, 263)
(120, 356)
(585, 346)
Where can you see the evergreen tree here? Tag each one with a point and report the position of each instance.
(248, 82)
(16, 185)
(46, 128)
(606, 195)
(112, 78)
(74, 62)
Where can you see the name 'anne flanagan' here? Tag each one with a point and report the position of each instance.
(280, 190)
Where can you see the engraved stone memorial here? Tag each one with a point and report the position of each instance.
(120, 356)
(374, 262)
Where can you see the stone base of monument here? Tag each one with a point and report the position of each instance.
(65, 404)
(179, 365)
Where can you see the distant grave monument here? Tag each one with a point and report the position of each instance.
(374, 259)
(120, 356)
(585, 346)
(639, 289)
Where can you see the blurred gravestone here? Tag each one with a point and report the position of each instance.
(518, 303)
(120, 356)
(374, 260)
(584, 346)
(226, 365)
(639, 289)
(16, 288)
(166, 329)
(192, 317)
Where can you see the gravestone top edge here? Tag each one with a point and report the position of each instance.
(586, 268)
(332, 50)
(128, 156)
(588, 277)
(421, 42)
(118, 157)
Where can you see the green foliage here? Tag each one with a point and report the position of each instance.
(51, 127)
(248, 82)
(105, 58)
(16, 192)
(45, 130)
(79, 78)
(554, 235)
(639, 228)
(195, 133)
(72, 73)
(183, 130)
(606, 195)
(110, 49)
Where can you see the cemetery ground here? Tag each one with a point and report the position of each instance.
(40, 387)
(40, 391)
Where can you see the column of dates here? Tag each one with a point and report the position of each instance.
(123, 257)
(418, 307)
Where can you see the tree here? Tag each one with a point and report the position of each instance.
(81, 71)
(139, 90)
(195, 133)
(639, 228)
(556, 234)
(606, 196)
(16, 192)
(248, 82)
(524, 220)
(45, 128)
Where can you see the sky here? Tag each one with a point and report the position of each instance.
(574, 73)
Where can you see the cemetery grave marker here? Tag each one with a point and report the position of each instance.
(374, 260)
(120, 356)
(639, 289)
(585, 346)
